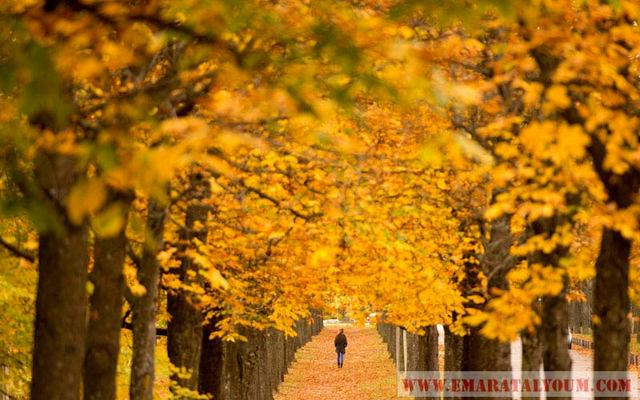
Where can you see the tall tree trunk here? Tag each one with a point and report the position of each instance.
(184, 340)
(554, 331)
(428, 345)
(453, 348)
(481, 353)
(103, 336)
(586, 310)
(422, 354)
(61, 300)
(611, 303)
(484, 354)
(143, 308)
(531, 357)
(555, 308)
(453, 354)
(531, 351)
(211, 362)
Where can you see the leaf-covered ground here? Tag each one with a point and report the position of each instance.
(368, 372)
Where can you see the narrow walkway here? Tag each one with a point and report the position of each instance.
(368, 372)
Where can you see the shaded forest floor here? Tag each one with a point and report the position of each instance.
(368, 372)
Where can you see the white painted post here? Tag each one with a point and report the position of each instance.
(397, 348)
(404, 347)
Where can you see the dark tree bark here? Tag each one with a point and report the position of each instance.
(211, 362)
(611, 303)
(531, 357)
(483, 354)
(143, 308)
(554, 331)
(453, 354)
(103, 336)
(61, 300)
(184, 339)
(246, 370)
(480, 353)
(422, 351)
(532, 347)
(453, 348)
(429, 344)
(531, 351)
(580, 311)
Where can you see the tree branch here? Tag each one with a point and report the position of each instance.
(129, 326)
(159, 331)
(156, 21)
(17, 251)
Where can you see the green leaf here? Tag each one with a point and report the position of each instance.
(42, 99)
(109, 222)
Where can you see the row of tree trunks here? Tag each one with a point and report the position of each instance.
(421, 351)
(611, 303)
(580, 311)
(472, 352)
(388, 334)
(225, 370)
(74, 356)
(252, 370)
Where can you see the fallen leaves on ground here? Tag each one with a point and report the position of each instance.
(368, 372)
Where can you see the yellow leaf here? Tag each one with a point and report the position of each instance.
(131, 276)
(85, 199)
(557, 95)
(406, 32)
(276, 235)
(475, 319)
(216, 279)
(109, 222)
(474, 298)
(322, 256)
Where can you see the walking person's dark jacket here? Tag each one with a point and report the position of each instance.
(340, 342)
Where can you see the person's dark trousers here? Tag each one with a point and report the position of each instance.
(340, 359)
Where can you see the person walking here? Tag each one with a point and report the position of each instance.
(341, 345)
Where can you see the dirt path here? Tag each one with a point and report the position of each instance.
(368, 372)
